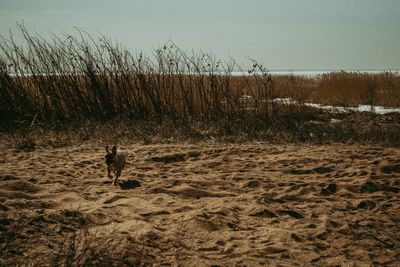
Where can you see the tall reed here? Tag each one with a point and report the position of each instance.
(82, 77)
(79, 76)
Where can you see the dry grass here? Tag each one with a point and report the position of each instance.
(342, 88)
(29, 240)
(71, 79)
(311, 127)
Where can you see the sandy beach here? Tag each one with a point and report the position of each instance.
(209, 204)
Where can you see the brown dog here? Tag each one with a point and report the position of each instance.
(115, 163)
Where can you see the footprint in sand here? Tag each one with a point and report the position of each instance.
(391, 168)
(113, 199)
(329, 190)
(20, 186)
(7, 177)
(263, 213)
(291, 213)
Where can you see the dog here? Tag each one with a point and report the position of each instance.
(115, 162)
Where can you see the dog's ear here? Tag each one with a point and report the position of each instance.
(107, 151)
(114, 150)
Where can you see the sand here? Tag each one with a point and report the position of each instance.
(212, 204)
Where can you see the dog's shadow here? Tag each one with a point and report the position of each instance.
(128, 184)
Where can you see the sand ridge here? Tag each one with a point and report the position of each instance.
(217, 204)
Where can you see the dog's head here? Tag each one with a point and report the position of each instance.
(110, 156)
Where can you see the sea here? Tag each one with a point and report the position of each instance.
(315, 73)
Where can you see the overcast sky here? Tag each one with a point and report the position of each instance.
(282, 34)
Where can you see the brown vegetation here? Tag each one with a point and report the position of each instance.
(342, 88)
(79, 79)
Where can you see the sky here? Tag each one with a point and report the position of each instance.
(281, 34)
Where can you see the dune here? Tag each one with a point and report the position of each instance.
(208, 204)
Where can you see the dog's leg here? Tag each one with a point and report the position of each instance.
(108, 173)
(117, 175)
